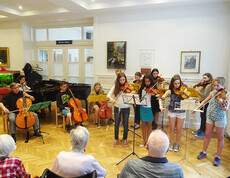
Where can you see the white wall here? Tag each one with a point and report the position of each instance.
(11, 37)
(168, 31)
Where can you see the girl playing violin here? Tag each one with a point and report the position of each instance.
(156, 109)
(216, 117)
(120, 109)
(174, 116)
(205, 88)
(97, 90)
(146, 112)
(137, 111)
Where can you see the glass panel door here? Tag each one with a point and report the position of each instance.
(58, 64)
(73, 60)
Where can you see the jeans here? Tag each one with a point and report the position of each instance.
(12, 117)
(125, 113)
(203, 118)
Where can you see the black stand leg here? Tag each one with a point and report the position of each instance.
(27, 132)
(134, 134)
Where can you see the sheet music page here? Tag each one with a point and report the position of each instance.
(186, 105)
(129, 98)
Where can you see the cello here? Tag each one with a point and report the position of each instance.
(24, 119)
(104, 111)
(78, 114)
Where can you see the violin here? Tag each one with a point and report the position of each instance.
(78, 114)
(126, 88)
(182, 91)
(152, 90)
(221, 94)
(24, 119)
(160, 80)
(204, 83)
(104, 111)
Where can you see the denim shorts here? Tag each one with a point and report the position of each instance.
(65, 112)
(178, 115)
(221, 123)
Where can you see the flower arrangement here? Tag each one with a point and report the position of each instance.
(116, 53)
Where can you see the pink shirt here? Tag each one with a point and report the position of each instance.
(70, 164)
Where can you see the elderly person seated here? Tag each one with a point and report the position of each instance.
(153, 165)
(76, 163)
(10, 166)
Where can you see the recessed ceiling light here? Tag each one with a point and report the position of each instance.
(92, 0)
(20, 7)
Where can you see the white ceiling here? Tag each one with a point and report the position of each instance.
(61, 10)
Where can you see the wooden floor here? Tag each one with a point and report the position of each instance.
(37, 156)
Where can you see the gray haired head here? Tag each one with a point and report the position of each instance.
(79, 138)
(7, 145)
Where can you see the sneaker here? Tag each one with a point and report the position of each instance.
(201, 134)
(133, 126)
(125, 143)
(115, 143)
(97, 126)
(216, 161)
(137, 127)
(142, 144)
(171, 147)
(202, 155)
(111, 121)
(176, 148)
(196, 132)
(37, 134)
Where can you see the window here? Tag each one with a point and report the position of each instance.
(73, 33)
(41, 34)
(88, 32)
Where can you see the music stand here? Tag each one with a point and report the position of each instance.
(96, 98)
(132, 99)
(35, 107)
(187, 105)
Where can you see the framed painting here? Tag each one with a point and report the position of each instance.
(190, 62)
(4, 57)
(116, 54)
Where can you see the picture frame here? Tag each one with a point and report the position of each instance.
(4, 57)
(116, 54)
(190, 62)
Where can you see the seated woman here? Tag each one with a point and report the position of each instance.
(97, 90)
(10, 166)
(76, 163)
(21, 80)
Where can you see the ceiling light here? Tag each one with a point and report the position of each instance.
(92, 0)
(20, 7)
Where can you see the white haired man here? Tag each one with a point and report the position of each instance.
(75, 163)
(10, 166)
(153, 165)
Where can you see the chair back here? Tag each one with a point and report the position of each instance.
(49, 174)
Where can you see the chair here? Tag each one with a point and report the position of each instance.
(49, 174)
(59, 114)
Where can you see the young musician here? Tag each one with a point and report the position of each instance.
(120, 109)
(21, 80)
(216, 117)
(205, 88)
(156, 109)
(63, 98)
(8, 104)
(137, 111)
(146, 112)
(97, 90)
(174, 116)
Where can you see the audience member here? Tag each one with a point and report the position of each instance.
(76, 163)
(10, 166)
(153, 165)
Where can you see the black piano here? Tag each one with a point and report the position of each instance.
(46, 90)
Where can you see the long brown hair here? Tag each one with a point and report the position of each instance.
(100, 90)
(209, 76)
(174, 78)
(117, 83)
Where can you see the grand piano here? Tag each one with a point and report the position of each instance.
(46, 90)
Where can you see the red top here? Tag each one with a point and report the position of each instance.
(12, 167)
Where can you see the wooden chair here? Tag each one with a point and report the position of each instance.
(5, 120)
(59, 114)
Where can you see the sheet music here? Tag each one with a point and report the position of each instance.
(188, 105)
(129, 98)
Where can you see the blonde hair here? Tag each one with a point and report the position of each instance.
(219, 80)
